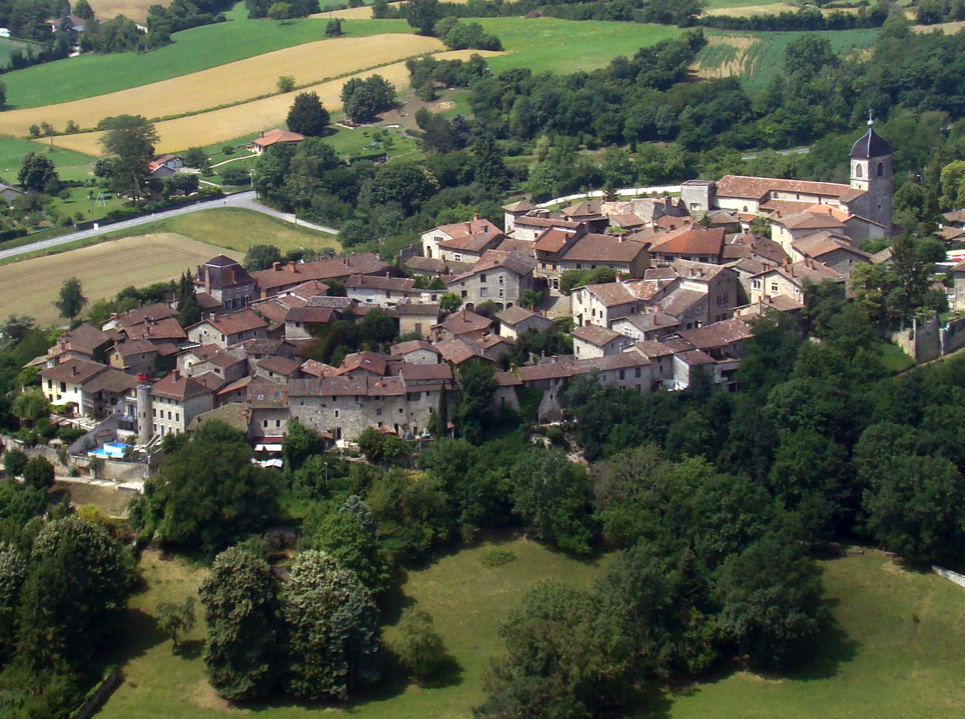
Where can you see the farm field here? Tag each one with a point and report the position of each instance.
(742, 8)
(219, 126)
(134, 9)
(235, 82)
(896, 652)
(193, 50)
(949, 28)
(70, 165)
(756, 57)
(466, 599)
(236, 229)
(565, 46)
(900, 655)
(30, 287)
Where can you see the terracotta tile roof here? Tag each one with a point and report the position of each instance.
(461, 350)
(624, 360)
(428, 309)
(318, 369)
(157, 311)
(755, 188)
(310, 315)
(403, 348)
(222, 272)
(236, 385)
(206, 301)
(224, 361)
(376, 282)
(548, 370)
(719, 334)
(587, 208)
(749, 266)
(491, 341)
(654, 349)
(113, 381)
(783, 208)
(476, 242)
(523, 247)
(345, 386)
(822, 243)
(649, 321)
(691, 241)
(660, 273)
(280, 365)
(671, 223)
(553, 240)
(178, 387)
(688, 269)
(496, 259)
(369, 361)
(265, 394)
(75, 371)
(235, 322)
(508, 379)
(134, 347)
(519, 206)
(277, 135)
(627, 221)
(276, 311)
(950, 234)
(436, 266)
(604, 248)
(883, 256)
(955, 216)
(797, 271)
(757, 246)
(338, 268)
(695, 357)
(305, 290)
(167, 329)
(470, 227)
(558, 222)
(809, 221)
(84, 338)
(611, 294)
(210, 381)
(512, 316)
(464, 322)
(681, 300)
(781, 303)
(595, 335)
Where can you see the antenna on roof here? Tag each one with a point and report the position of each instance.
(871, 118)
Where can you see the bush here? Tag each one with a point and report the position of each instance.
(496, 557)
(14, 462)
(235, 176)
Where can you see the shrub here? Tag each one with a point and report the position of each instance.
(495, 557)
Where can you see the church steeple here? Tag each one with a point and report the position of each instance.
(871, 173)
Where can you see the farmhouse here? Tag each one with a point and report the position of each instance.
(499, 277)
(222, 285)
(273, 137)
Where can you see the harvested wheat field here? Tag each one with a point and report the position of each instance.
(361, 13)
(949, 28)
(723, 56)
(134, 9)
(30, 287)
(750, 10)
(234, 82)
(210, 128)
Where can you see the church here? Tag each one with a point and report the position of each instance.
(795, 208)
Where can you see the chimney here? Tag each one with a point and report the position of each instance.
(276, 266)
(291, 265)
(207, 280)
(475, 216)
(388, 275)
(262, 133)
(176, 374)
(74, 371)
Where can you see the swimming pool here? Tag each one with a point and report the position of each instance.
(111, 450)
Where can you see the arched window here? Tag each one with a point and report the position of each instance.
(857, 170)
(881, 169)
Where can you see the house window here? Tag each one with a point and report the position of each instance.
(756, 284)
(482, 278)
(378, 413)
(501, 279)
(400, 410)
(483, 292)
(457, 257)
(857, 171)
(774, 287)
(623, 374)
(63, 386)
(636, 373)
(169, 415)
(277, 423)
(501, 292)
(338, 413)
(177, 417)
(264, 424)
(881, 169)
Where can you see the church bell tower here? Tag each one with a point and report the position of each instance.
(871, 172)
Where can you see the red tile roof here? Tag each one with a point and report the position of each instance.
(755, 188)
(604, 248)
(691, 241)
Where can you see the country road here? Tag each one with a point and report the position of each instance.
(243, 200)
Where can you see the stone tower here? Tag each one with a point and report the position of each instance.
(145, 424)
(871, 172)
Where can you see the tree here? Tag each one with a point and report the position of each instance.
(531, 298)
(261, 257)
(334, 27)
(175, 619)
(564, 659)
(197, 158)
(30, 407)
(39, 473)
(37, 173)
(73, 596)
(280, 11)
(490, 169)
(189, 312)
(235, 176)
(307, 115)
(352, 542)
(71, 300)
(472, 414)
(333, 630)
(363, 100)
(13, 330)
(13, 572)
(130, 141)
(913, 507)
(241, 612)
(551, 496)
(419, 647)
(286, 83)
(771, 602)
(377, 328)
(422, 15)
(450, 302)
(14, 462)
(208, 494)
(83, 10)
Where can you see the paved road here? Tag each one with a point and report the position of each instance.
(245, 200)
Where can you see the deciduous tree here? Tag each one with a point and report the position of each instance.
(71, 299)
(176, 618)
(131, 142)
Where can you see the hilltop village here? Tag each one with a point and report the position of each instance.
(686, 274)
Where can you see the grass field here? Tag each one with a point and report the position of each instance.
(466, 598)
(194, 50)
(743, 8)
(237, 230)
(901, 650)
(70, 165)
(235, 82)
(108, 500)
(565, 46)
(756, 57)
(896, 650)
(30, 287)
(219, 126)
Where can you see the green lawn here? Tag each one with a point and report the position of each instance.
(711, 4)
(564, 46)
(70, 165)
(894, 358)
(8, 46)
(237, 229)
(192, 51)
(901, 655)
(466, 598)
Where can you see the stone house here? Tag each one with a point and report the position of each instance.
(693, 243)
(515, 320)
(415, 352)
(299, 321)
(831, 250)
(417, 318)
(789, 279)
(281, 277)
(432, 239)
(499, 277)
(175, 401)
(591, 342)
(278, 369)
(226, 283)
(139, 356)
(230, 329)
(462, 324)
(111, 393)
(63, 384)
(84, 342)
(646, 326)
(381, 291)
